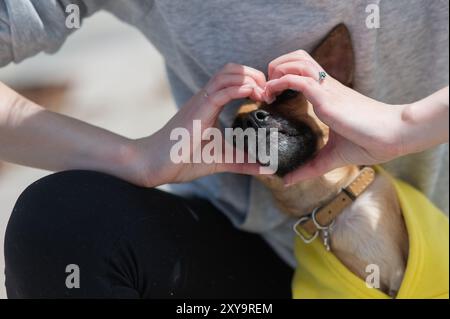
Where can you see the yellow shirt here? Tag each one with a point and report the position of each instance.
(321, 275)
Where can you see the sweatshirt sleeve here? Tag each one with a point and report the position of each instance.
(28, 27)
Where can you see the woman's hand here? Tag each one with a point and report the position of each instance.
(153, 165)
(33, 136)
(363, 131)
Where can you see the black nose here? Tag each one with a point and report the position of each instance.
(256, 119)
(259, 116)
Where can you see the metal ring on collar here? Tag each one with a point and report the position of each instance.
(306, 240)
(317, 224)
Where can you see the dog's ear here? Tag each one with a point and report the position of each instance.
(335, 55)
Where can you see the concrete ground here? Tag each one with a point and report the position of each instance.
(115, 80)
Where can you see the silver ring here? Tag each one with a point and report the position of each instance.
(322, 76)
(316, 223)
(306, 240)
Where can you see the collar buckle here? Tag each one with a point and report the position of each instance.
(301, 233)
(325, 230)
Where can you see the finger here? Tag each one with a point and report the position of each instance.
(303, 68)
(239, 69)
(216, 101)
(325, 161)
(291, 57)
(222, 97)
(307, 85)
(223, 81)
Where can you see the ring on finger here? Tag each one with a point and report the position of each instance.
(322, 76)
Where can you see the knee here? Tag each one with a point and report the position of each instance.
(83, 202)
(73, 215)
(82, 215)
(45, 202)
(55, 195)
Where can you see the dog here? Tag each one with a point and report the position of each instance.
(372, 229)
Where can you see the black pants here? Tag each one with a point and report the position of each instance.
(131, 242)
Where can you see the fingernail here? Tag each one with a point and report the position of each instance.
(271, 100)
(260, 92)
(267, 99)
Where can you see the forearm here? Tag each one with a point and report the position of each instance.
(425, 123)
(33, 136)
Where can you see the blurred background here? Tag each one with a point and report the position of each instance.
(106, 74)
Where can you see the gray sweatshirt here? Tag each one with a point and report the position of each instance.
(404, 60)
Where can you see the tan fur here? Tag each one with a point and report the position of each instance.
(371, 230)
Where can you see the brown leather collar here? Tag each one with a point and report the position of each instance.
(323, 217)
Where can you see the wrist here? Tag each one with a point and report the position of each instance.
(123, 161)
(393, 143)
(400, 128)
(141, 161)
(427, 121)
(413, 133)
